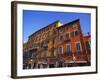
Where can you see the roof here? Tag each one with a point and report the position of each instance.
(70, 23)
(54, 23)
(44, 28)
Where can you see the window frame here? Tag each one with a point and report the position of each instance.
(66, 36)
(70, 48)
(61, 51)
(73, 33)
(62, 37)
(52, 50)
(89, 44)
(80, 46)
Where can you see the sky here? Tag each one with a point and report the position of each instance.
(35, 20)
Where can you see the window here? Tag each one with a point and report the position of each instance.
(30, 55)
(78, 47)
(61, 37)
(67, 36)
(52, 52)
(75, 33)
(33, 55)
(60, 50)
(75, 25)
(88, 44)
(45, 53)
(68, 48)
(29, 66)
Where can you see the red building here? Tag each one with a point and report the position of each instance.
(57, 45)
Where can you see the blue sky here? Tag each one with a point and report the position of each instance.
(35, 20)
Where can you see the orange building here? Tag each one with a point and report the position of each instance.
(57, 45)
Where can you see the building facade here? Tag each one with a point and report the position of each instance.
(57, 45)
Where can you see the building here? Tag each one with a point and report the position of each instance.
(57, 45)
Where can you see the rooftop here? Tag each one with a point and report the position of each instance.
(44, 28)
(52, 24)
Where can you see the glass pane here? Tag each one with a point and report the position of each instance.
(60, 37)
(68, 48)
(78, 46)
(67, 36)
(59, 50)
(52, 52)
